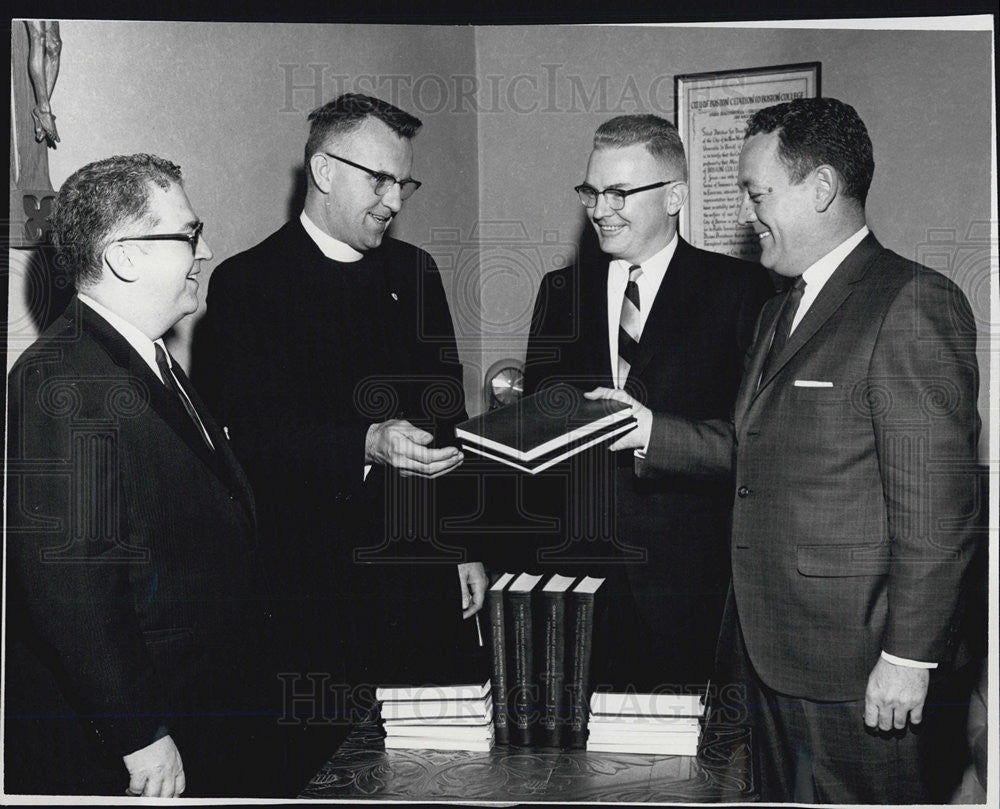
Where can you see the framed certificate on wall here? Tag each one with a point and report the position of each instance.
(711, 110)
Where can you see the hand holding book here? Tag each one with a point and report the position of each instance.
(399, 444)
(637, 439)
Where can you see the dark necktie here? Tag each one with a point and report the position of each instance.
(629, 326)
(171, 382)
(784, 325)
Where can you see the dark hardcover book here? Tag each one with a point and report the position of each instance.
(552, 665)
(580, 610)
(522, 689)
(498, 657)
(544, 428)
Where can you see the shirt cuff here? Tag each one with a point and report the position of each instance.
(903, 661)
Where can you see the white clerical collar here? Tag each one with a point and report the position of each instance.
(819, 272)
(653, 268)
(143, 346)
(331, 247)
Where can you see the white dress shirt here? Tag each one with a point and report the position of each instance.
(653, 270)
(143, 346)
(819, 273)
(146, 349)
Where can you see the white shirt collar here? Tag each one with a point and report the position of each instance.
(820, 272)
(331, 247)
(654, 269)
(143, 346)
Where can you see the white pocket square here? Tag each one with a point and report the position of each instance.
(812, 383)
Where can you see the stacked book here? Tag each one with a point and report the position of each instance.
(435, 717)
(542, 429)
(663, 724)
(541, 646)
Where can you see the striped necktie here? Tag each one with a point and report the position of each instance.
(629, 326)
(166, 371)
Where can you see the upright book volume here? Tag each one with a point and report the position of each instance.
(580, 636)
(498, 656)
(518, 625)
(551, 662)
(542, 429)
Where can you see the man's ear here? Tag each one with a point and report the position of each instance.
(319, 172)
(677, 195)
(118, 257)
(826, 187)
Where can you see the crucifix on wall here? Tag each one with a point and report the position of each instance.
(35, 49)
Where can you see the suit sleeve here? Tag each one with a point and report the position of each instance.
(437, 403)
(923, 389)
(707, 449)
(235, 371)
(65, 551)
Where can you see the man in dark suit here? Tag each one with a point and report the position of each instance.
(670, 324)
(138, 626)
(329, 354)
(853, 444)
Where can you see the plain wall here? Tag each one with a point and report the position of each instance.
(924, 95)
(508, 114)
(214, 98)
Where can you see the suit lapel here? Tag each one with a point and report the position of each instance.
(161, 400)
(836, 290)
(671, 308)
(223, 458)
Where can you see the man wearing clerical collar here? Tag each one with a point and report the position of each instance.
(328, 351)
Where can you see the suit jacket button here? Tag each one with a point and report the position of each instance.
(743, 491)
(232, 496)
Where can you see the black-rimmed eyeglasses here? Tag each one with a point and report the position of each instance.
(383, 181)
(191, 238)
(615, 197)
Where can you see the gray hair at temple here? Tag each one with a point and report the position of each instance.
(347, 112)
(97, 201)
(814, 132)
(658, 135)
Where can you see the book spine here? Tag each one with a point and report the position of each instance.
(498, 665)
(580, 620)
(553, 669)
(520, 668)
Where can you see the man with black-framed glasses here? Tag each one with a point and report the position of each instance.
(669, 323)
(328, 352)
(140, 643)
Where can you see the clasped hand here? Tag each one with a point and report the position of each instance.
(399, 444)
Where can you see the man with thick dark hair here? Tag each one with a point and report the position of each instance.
(328, 352)
(853, 449)
(670, 324)
(138, 622)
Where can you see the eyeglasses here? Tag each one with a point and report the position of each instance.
(383, 181)
(615, 197)
(191, 238)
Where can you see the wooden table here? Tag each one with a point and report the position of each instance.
(362, 769)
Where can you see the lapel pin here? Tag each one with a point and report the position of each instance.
(226, 431)
(395, 297)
